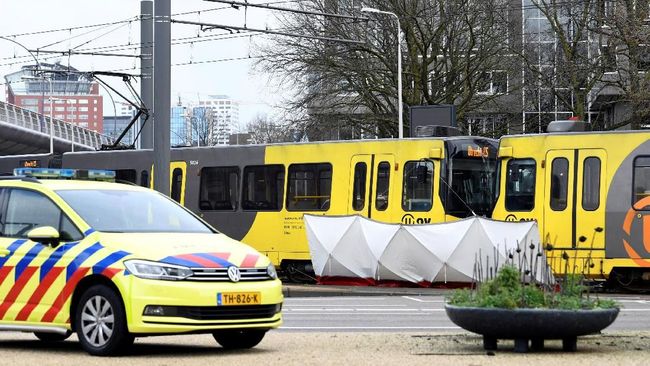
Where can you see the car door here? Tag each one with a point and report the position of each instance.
(30, 283)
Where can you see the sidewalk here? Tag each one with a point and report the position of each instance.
(299, 290)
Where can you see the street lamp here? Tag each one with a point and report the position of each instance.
(399, 67)
(42, 78)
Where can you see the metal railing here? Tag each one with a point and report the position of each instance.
(25, 118)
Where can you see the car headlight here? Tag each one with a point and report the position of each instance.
(270, 270)
(156, 270)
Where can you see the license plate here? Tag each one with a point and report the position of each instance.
(239, 298)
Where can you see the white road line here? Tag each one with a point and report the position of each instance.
(420, 300)
(630, 310)
(367, 328)
(336, 305)
(362, 309)
(338, 298)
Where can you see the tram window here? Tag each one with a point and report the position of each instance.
(263, 188)
(144, 179)
(126, 175)
(641, 182)
(417, 192)
(383, 179)
(177, 184)
(520, 185)
(359, 186)
(591, 184)
(559, 184)
(309, 187)
(219, 188)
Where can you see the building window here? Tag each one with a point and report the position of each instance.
(559, 184)
(263, 188)
(83, 116)
(309, 187)
(493, 82)
(417, 193)
(83, 109)
(29, 102)
(83, 101)
(591, 184)
(219, 188)
(359, 186)
(641, 182)
(59, 109)
(520, 185)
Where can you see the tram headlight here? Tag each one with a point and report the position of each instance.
(270, 270)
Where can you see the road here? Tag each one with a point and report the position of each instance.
(412, 314)
(369, 330)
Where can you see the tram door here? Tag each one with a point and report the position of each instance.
(371, 186)
(177, 179)
(574, 198)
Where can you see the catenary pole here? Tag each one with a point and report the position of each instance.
(162, 104)
(146, 60)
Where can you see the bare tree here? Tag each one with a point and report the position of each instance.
(201, 126)
(626, 29)
(448, 47)
(264, 131)
(561, 56)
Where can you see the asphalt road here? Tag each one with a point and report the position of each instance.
(368, 330)
(412, 314)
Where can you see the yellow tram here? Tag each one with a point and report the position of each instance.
(590, 194)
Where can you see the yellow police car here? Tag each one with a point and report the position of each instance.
(112, 262)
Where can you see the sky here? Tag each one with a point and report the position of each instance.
(218, 66)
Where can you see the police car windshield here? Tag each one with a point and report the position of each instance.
(128, 211)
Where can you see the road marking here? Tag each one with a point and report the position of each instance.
(365, 328)
(338, 298)
(630, 310)
(420, 300)
(333, 305)
(363, 309)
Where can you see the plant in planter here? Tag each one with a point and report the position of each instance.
(513, 304)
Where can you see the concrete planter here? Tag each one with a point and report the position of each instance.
(534, 325)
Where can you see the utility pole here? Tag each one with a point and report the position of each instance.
(162, 75)
(146, 63)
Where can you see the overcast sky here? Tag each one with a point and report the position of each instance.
(197, 80)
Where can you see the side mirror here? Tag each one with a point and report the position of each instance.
(45, 235)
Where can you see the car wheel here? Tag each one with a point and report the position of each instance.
(239, 338)
(100, 322)
(52, 337)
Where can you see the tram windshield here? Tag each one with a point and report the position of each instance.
(470, 181)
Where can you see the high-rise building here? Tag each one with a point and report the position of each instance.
(179, 133)
(75, 96)
(225, 112)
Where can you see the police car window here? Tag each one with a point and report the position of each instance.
(27, 210)
(112, 210)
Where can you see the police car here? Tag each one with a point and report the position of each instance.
(112, 262)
